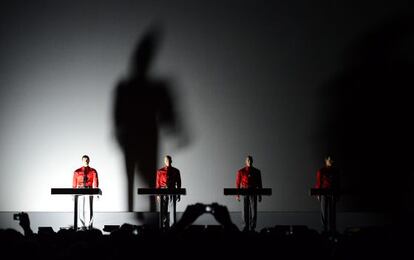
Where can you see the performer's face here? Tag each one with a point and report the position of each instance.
(248, 162)
(85, 161)
(167, 161)
(328, 162)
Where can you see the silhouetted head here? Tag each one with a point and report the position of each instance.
(249, 161)
(167, 160)
(145, 52)
(85, 160)
(328, 161)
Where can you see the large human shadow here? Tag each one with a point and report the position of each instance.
(367, 119)
(143, 105)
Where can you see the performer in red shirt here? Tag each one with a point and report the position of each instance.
(327, 177)
(85, 177)
(167, 177)
(249, 177)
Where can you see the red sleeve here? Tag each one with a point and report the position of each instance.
(238, 179)
(318, 180)
(157, 181)
(74, 182)
(95, 180)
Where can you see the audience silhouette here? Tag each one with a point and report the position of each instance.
(186, 241)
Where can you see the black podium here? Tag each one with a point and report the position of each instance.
(247, 192)
(330, 195)
(163, 193)
(322, 191)
(77, 192)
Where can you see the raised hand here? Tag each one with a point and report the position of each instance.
(191, 213)
(25, 223)
(222, 215)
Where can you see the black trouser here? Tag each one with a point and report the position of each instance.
(164, 214)
(328, 213)
(249, 213)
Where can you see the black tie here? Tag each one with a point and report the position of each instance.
(85, 177)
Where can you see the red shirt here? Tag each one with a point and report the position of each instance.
(327, 178)
(168, 177)
(248, 177)
(91, 180)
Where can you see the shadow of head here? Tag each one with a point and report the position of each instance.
(146, 50)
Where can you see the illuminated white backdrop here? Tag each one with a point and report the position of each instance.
(245, 77)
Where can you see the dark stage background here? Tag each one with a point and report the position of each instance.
(287, 82)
